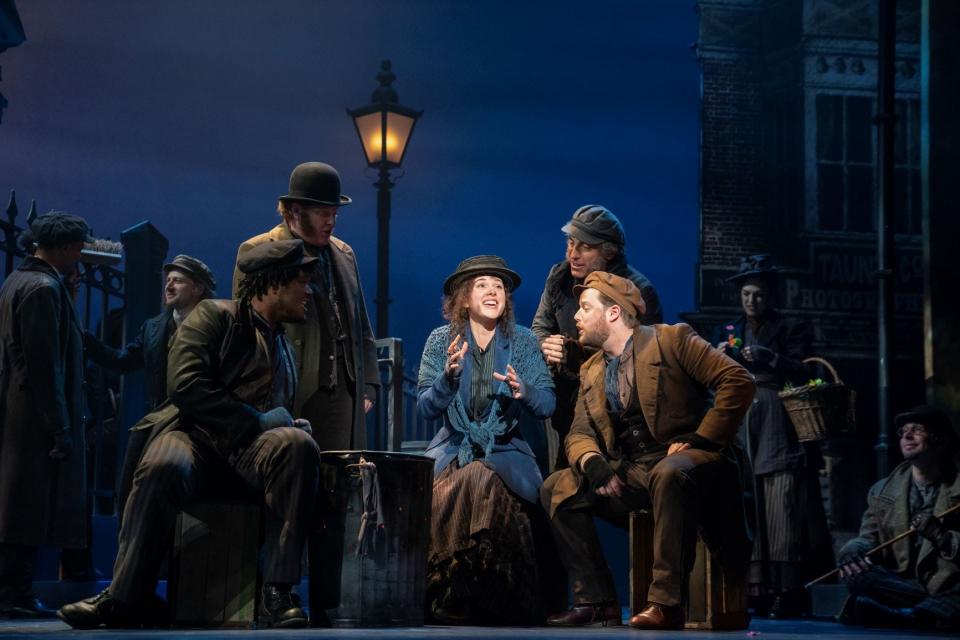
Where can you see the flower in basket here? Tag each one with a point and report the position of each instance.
(815, 383)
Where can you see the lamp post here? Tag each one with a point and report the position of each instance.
(384, 127)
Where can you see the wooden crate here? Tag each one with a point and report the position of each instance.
(717, 598)
(213, 567)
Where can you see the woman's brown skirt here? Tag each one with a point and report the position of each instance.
(482, 567)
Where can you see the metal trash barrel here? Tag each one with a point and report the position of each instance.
(368, 565)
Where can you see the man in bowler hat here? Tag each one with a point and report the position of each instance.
(335, 347)
(43, 491)
(915, 582)
(187, 281)
(595, 242)
(231, 380)
(645, 436)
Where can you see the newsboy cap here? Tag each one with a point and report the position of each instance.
(194, 268)
(620, 290)
(482, 266)
(316, 182)
(58, 228)
(275, 255)
(595, 224)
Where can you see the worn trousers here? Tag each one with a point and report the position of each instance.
(331, 411)
(684, 491)
(893, 590)
(280, 466)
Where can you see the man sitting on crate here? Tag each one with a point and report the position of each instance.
(643, 437)
(915, 582)
(231, 382)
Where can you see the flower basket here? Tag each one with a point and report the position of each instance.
(822, 410)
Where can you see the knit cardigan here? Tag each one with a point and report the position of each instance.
(498, 434)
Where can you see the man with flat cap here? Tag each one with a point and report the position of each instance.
(335, 348)
(914, 582)
(645, 436)
(187, 282)
(231, 379)
(43, 491)
(595, 242)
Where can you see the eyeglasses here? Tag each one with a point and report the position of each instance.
(912, 429)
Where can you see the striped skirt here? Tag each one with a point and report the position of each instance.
(482, 566)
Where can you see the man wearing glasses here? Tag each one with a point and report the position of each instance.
(915, 582)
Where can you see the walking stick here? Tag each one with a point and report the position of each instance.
(881, 547)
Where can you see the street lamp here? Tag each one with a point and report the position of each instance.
(384, 127)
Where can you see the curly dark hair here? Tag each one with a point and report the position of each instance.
(256, 285)
(455, 308)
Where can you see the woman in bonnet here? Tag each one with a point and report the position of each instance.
(485, 377)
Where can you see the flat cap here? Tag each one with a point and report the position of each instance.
(194, 268)
(275, 255)
(595, 224)
(57, 228)
(620, 290)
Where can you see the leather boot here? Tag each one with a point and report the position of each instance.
(582, 615)
(658, 616)
(103, 610)
(280, 607)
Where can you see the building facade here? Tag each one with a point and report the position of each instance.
(788, 167)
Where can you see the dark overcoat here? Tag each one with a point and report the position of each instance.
(306, 340)
(42, 500)
(774, 445)
(147, 351)
(218, 379)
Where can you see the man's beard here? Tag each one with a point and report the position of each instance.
(594, 336)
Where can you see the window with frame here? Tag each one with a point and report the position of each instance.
(845, 164)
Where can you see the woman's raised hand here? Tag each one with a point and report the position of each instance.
(511, 378)
(455, 355)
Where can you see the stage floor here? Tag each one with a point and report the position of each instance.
(759, 629)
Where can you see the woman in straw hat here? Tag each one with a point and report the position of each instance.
(485, 378)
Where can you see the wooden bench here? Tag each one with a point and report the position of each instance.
(213, 573)
(717, 597)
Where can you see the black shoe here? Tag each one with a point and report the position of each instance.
(871, 613)
(281, 608)
(588, 615)
(103, 610)
(25, 606)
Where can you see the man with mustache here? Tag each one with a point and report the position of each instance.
(595, 242)
(645, 436)
(335, 349)
(231, 381)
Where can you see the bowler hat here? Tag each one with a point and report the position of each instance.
(196, 269)
(316, 182)
(280, 254)
(935, 420)
(621, 290)
(756, 266)
(482, 266)
(595, 224)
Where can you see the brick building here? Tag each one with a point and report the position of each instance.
(787, 166)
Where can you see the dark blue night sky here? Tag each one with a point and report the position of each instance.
(192, 113)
